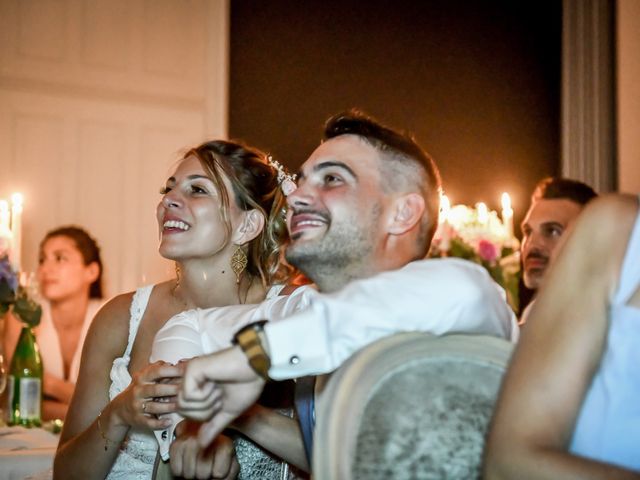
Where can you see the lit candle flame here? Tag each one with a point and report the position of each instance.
(445, 208)
(506, 201)
(16, 200)
(483, 212)
(16, 230)
(4, 216)
(507, 215)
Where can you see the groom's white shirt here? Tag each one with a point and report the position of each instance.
(311, 333)
(437, 296)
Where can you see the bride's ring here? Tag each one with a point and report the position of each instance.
(144, 407)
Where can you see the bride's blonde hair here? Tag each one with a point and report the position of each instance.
(255, 186)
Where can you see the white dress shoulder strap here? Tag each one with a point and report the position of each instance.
(274, 291)
(138, 306)
(137, 453)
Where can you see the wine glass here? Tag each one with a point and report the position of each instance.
(29, 281)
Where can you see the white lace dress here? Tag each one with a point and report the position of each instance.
(137, 454)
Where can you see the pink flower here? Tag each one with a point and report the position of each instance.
(487, 250)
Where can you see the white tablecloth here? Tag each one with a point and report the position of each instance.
(26, 453)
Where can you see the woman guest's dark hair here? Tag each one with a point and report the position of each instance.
(255, 186)
(88, 248)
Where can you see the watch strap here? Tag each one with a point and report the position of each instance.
(248, 339)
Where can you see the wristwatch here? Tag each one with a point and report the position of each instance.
(248, 338)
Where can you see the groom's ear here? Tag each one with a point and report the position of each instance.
(407, 211)
(250, 227)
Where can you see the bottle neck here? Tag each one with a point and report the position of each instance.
(27, 345)
(26, 335)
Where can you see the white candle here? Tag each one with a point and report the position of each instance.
(507, 215)
(482, 212)
(4, 215)
(5, 229)
(16, 229)
(445, 208)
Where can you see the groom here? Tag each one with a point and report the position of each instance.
(361, 222)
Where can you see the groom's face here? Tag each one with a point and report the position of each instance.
(334, 215)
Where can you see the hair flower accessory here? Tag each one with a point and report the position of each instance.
(286, 180)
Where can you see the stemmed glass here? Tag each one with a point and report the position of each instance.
(29, 281)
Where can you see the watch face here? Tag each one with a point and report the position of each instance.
(251, 327)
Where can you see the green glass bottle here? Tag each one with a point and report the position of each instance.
(25, 382)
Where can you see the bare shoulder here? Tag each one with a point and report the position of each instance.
(617, 201)
(110, 327)
(604, 226)
(610, 212)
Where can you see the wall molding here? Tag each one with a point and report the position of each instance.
(588, 93)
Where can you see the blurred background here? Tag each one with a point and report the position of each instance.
(478, 83)
(98, 97)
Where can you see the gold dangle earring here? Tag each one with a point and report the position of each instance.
(238, 262)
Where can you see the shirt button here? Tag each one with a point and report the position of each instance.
(294, 360)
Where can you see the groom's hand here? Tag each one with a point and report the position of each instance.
(216, 389)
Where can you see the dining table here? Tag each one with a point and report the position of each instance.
(27, 453)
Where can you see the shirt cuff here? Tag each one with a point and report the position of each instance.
(298, 346)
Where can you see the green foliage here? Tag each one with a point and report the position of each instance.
(27, 309)
(15, 298)
(7, 296)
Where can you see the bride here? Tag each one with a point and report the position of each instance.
(220, 219)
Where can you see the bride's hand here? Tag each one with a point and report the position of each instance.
(190, 460)
(150, 393)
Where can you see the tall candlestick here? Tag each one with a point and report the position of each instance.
(445, 207)
(482, 212)
(5, 231)
(4, 215)
(507, 215)
(16, 229)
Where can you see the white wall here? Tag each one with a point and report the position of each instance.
(628, 102)
(96, 99)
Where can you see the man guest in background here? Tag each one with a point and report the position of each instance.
(555, 204)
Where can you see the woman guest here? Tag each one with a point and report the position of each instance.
(220, 219)
(569, 406)
(70, 280)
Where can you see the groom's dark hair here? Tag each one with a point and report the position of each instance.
(404, 165)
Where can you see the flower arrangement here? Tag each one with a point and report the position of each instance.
(480, 236)
(13, 296)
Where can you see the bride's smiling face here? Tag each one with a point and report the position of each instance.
(190, 217)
